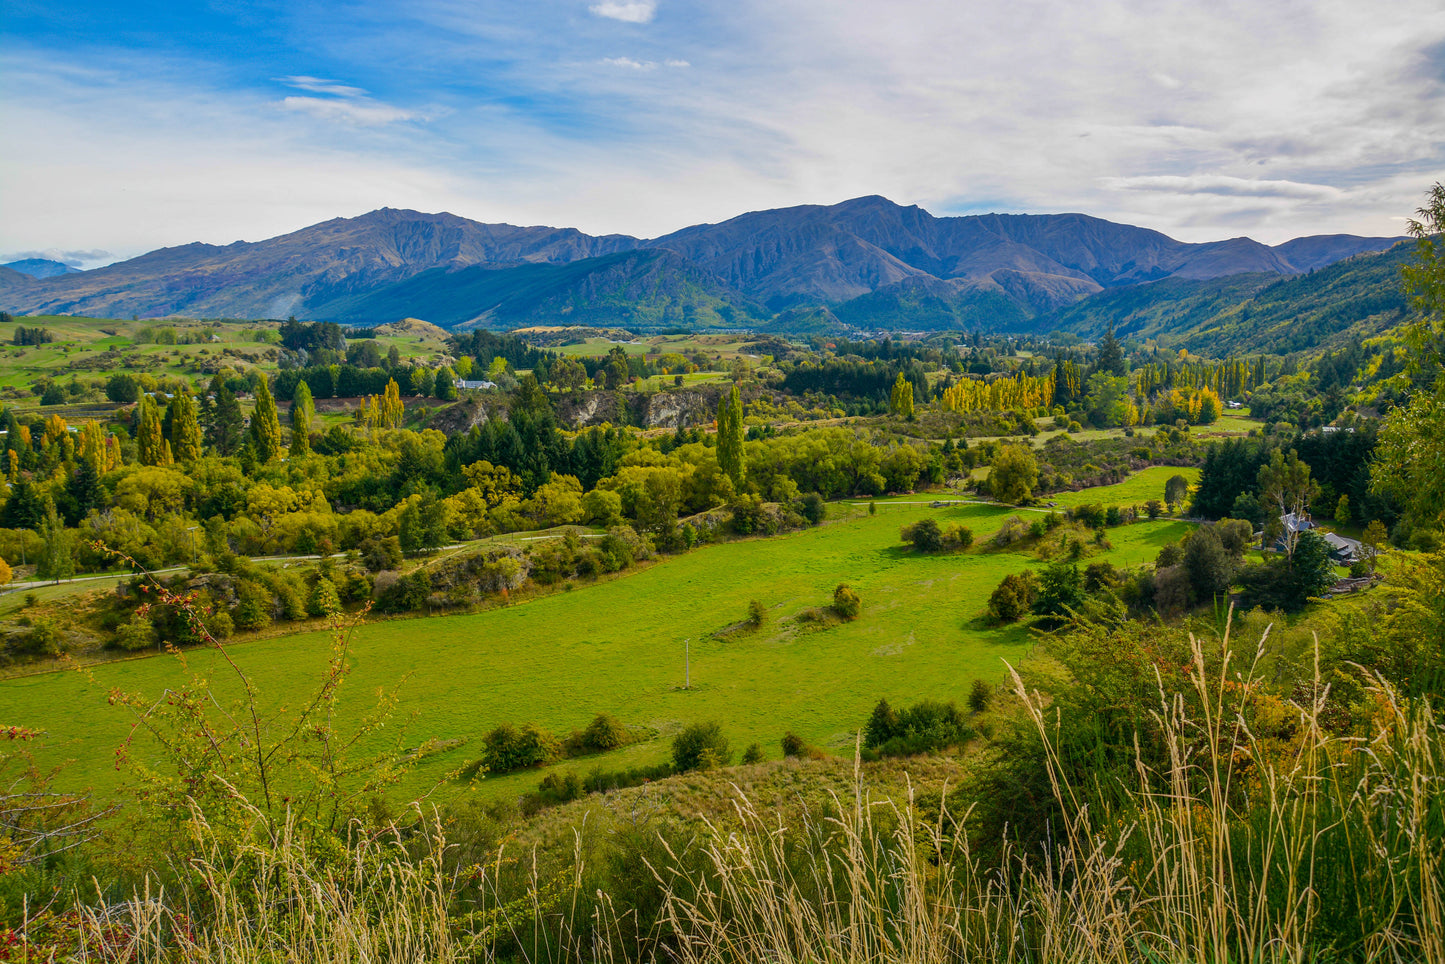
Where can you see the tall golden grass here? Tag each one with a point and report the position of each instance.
(1241, 848)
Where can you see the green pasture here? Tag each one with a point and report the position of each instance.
(618, 646)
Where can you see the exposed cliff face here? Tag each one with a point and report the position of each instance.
(689, 407)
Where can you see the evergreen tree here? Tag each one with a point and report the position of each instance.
(1111, 354)
(730, 457)
(83, 491)
(185, 429)
(265, 425)
(227, 425)
(25, 508)
(302, 410)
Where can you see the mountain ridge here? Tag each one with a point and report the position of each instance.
(865, 259)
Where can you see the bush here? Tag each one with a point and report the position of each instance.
(509, 749)
(813, 508)
(135, 634)
(846, 602)
(603, 733)
(793, 744)
(753, 754)
(921, 728)
(757, 613)
(1013, 597)
(700, 746)
(925, 535)
(979, 695)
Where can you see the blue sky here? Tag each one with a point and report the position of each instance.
(137, 125)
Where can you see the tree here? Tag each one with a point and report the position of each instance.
(900, 401)
(185, 429)
(303, 409)
(1012, 598)
(5, 573)
(1374, 540)
(883, 725)
(150, 438)
(1014, 474)
(1210, 568)
(846, 602)
(57, 561)
(1175, 490)
(730, 455)
(1111, 354)
(1342, 511)
(1412, 443)
(1061, 588)
(227, 425)
(1285, 486)
(700, 746)
(1311, 569)
(265, 425)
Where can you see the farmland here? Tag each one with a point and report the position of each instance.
(617, 646)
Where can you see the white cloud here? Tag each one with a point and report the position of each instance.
(1224, 185)
(349, 111)
(628, 63)
(676, 63)
(628, 11)
(320, 85)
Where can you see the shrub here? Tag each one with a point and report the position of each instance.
(757, 613)
(846, 602)
(603, 733)
(925, 535)
(793, 744)
(135, 634)
(509, 749)
(979, 695)
(1013, 597)
(700, 746)
(753, 754)
(813, 508)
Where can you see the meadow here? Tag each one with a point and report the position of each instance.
(617, 646)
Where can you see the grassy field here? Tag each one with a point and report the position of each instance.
(101, 347)
(617, 646)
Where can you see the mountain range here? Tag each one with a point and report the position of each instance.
(866, 263)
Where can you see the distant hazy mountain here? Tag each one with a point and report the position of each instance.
(40, 267)
(871, 263)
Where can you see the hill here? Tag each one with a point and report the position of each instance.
(40, 267)
(876, 264)
(1243, 314)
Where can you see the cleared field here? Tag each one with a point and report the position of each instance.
(617, 646)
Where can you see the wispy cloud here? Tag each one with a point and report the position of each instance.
(320, 85)
(350, 111)
(628, 11)
(628, 63)
(1224, 185)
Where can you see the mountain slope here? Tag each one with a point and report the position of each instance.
(876, 263)
(1243, 314)
(640, 288)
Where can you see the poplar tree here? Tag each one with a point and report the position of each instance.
(150, 438)
(393, 412)
(901, 399)
(302, 409)
(265, 425)
(185, 429)
(730, 435)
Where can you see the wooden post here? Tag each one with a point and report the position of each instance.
(687, 663)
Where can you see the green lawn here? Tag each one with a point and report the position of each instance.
(617, 646)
